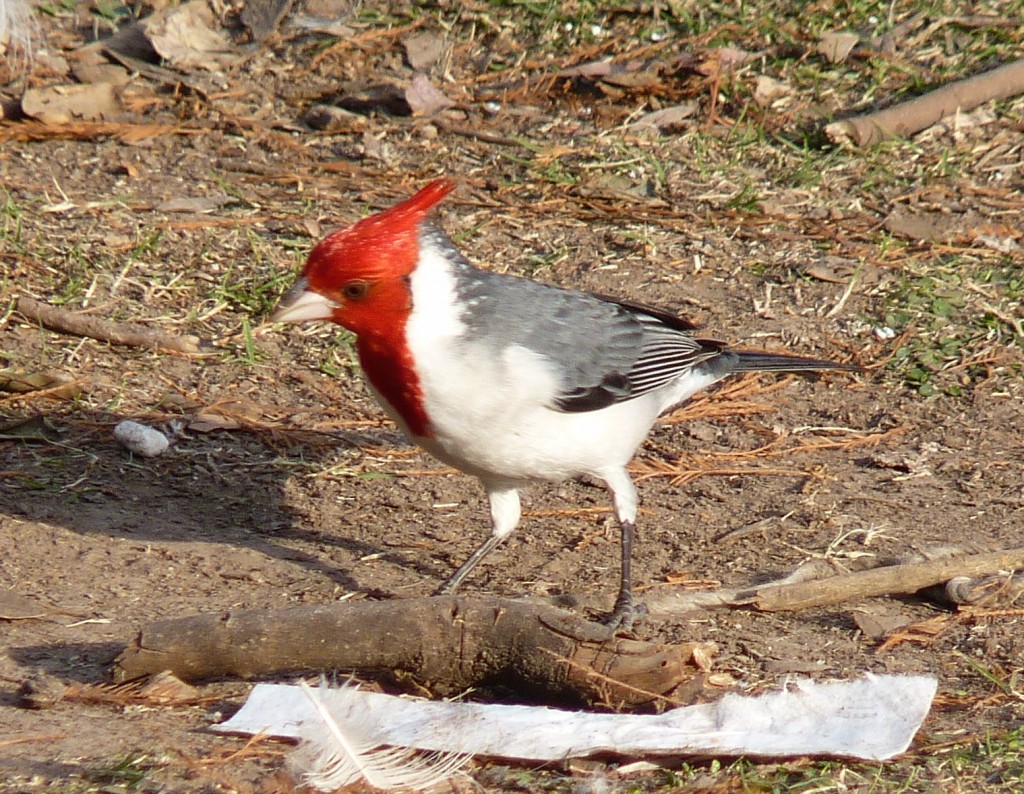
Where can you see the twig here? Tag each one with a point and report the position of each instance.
(888, 580)
(1014, 322)
(346, 43)
(673, 602)
(471, 132)
(97, 328)
(810, 585)
(34, 739)
(922, 112)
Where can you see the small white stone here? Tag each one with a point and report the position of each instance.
(141, 440)
(884, 333)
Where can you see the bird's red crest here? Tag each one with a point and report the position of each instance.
(376, 254)
(381, 245)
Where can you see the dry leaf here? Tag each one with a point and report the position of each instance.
(22, 382)
(333, 119)
(424, 99)
(1004, 245)
(67, 103)
(594, 69)
(834, 270)
(32, 428)
(768, 90)
(666, 119)
(930, 226)
(636, 74)
(836, 45)
(632, 74)
(184, 37)
(204, 422)
(197, 204)
(263, 17)
(227, 415)
(326, 16)
(166, 689)
(331, 9)
(423, 50)
(111, 73)
(131, 41)
(875, 625)
(734, 57)
(17, 607)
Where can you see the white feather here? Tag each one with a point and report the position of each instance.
(17, 25)
(345, 746)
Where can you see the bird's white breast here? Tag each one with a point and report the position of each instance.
(490, 402)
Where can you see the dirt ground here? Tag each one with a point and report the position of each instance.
(283, 484)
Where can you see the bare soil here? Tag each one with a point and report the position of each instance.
(298, 491)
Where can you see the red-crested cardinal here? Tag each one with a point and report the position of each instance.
(502, 377)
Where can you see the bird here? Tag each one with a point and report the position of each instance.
(505, 378)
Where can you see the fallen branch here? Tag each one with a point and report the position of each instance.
(947, 579)
(887, 580)
(978, 591)
(670, 603)
(445, 645)
(86, 325)
(922, 112)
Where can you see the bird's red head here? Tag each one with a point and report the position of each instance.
(356, 276)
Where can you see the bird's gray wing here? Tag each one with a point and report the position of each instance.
(604, 351)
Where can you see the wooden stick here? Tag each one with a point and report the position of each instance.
(445, 644)
(887, 580)
(977, 591)
(917, 114)
(105, 330)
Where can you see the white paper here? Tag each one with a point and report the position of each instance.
(872, 718)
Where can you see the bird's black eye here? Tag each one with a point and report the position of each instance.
(355, 290)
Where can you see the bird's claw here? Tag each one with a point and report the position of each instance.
(623, 615)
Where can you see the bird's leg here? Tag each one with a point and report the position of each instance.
(624, 611)
(464, 570)
(505, 512)
(625, 498)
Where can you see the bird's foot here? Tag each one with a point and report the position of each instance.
(623, 614)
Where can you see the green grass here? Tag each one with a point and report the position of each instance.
(949, 305)
(128, 773)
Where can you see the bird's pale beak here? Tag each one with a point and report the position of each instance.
(300, 303)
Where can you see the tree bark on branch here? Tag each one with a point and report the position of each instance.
(906, 118)
(443, 644)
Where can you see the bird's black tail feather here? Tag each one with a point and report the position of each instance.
(757, 361)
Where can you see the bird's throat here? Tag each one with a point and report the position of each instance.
(388, 364)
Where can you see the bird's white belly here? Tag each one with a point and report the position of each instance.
(540, 443)
(492, 416)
